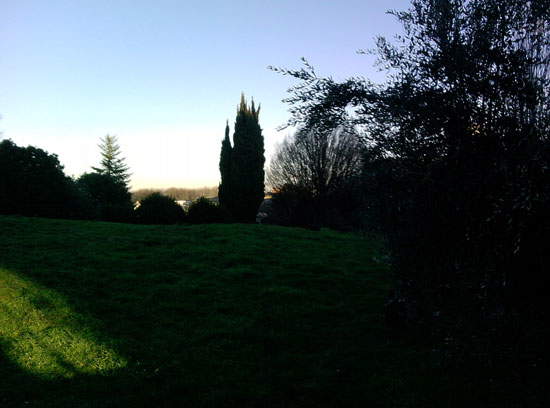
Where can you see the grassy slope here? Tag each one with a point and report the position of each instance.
(100, 314)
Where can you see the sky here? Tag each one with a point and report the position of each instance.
(164, 76)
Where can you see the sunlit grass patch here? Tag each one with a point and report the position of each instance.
(42, 335)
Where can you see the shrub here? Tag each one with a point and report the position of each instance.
(157, 208)
(109, 197)
(204, 211)
(293, 206)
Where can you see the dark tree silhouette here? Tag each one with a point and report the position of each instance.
(246, 188)
(32, 183)
(319, 172)
(111, 163)
(457, 167)
(157, 208)
(204, 211)
(319, 161)
(109, 195)
(224, 190)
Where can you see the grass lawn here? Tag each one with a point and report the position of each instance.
(99, 314)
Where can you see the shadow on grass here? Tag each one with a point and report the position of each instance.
(98, 316)
(19, 388)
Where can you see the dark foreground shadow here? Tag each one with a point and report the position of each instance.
(101, 315)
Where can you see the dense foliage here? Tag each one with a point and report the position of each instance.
(159, 209)
(457, 151)
(242, 166)
(204, 211)
(32, 183)
(108, 195)
(224, 190)
(292, 205)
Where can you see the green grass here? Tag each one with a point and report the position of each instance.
(99, 314)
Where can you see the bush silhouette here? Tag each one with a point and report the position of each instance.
(157, 208)
(204, 211)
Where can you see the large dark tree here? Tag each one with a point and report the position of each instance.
(32, 182)
(224, 189)
(112, 164)
(320, 161)
(110, 196)
(247, 164)
(322, 167)
(458, 152)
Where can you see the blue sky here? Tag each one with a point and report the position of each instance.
(165, 75)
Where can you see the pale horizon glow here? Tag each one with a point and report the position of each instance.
(164, 78)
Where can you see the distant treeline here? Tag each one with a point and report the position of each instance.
(176, 193)
(33, 183)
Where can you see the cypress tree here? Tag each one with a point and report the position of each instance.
(224, 189)
(247, 164)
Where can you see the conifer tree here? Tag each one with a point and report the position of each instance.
(111, 163)
(224, 189)
(247, 164)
